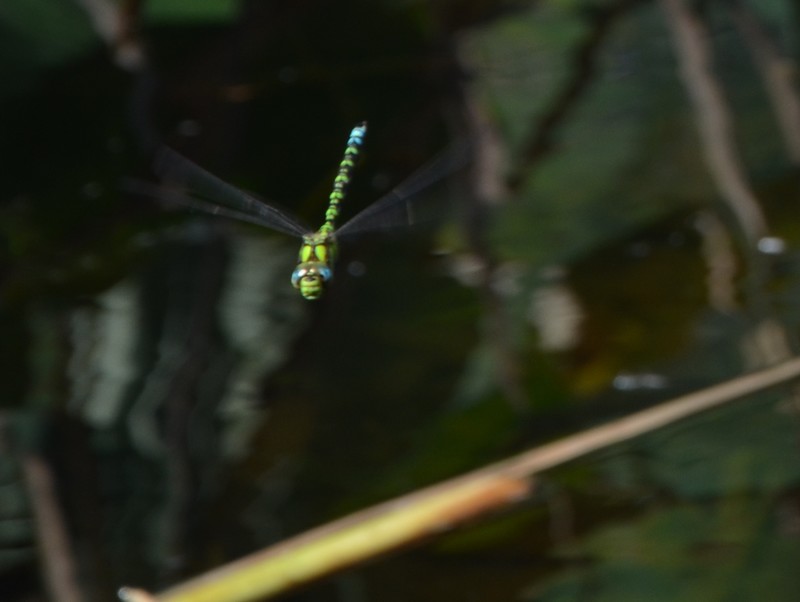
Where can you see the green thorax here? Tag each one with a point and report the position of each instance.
(314, 264)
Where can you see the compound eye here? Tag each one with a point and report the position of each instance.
(297, 275)
(325, 273)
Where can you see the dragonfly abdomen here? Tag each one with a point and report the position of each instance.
(340, 183)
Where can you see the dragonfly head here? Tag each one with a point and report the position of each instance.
(310, 279)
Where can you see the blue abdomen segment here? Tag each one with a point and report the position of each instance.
(357, 135)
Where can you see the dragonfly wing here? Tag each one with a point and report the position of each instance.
(179, 197)
(219, 197)
(396, 208)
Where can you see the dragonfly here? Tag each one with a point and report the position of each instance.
(318, 251)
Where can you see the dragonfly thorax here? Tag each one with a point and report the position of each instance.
(314, 263)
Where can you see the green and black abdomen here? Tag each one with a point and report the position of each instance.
(342, 180)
